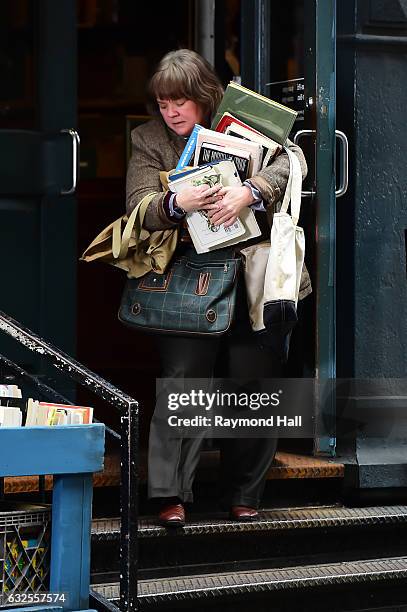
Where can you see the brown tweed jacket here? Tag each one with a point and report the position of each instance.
(155, 147)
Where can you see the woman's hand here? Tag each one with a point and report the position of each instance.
(234, 199)
(195, 198)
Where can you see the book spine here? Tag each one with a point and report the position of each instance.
(189, 149)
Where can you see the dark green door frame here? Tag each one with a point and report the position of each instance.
(320, 94)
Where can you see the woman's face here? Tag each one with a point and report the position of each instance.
(181, 115)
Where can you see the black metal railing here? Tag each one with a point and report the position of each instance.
(128, 408)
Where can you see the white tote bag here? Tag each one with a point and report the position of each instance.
(286, 258)
(273, 268)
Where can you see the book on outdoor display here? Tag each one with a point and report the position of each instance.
(45, 413)
(10, 416)
(11, 406)
(10, 391)
(266, 116)
(205, 235)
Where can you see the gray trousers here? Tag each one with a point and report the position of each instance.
(244, 462)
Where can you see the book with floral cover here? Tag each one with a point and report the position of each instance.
(206, 236)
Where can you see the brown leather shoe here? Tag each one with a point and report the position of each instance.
(243, 513)
(172, 515)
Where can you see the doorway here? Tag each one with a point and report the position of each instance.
(102, 89)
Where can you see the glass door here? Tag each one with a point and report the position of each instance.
(292, 58)
(39, 148)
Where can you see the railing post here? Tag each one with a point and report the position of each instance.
(129, 509)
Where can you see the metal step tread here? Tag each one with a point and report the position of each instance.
(238, 583)
(270, 520)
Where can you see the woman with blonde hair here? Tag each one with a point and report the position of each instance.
(186, 91)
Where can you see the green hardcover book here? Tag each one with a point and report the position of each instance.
(268, 117)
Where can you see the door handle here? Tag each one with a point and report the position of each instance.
(297, 137)
(343, 187)
(344, 161)
(75, 160)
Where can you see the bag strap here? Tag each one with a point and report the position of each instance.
(135, 221)
(293, 189)
(116, 237)
(144, 204)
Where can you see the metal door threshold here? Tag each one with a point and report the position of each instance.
(270, 520)
(206, 586)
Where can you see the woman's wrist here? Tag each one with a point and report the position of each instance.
(250, 199)
(179, 202)
(177, 207)
(171, 211)
(256, 195)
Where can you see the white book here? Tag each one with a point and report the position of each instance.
(270, 147)
(38, 414)
(10, 416)
(61, 418)
(204, 237)
(10, 391)
(210, 153)
(224, 140)
(203, 233)
(18, 418)
(86, 415)
(32, 409)
(75, 417)
(42, 415)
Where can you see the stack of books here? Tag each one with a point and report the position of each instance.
(16, 411)
(214, 146)
(232, 126)
(44, 413)
(248, 132)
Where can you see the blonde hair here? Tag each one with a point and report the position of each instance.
(185, 74)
